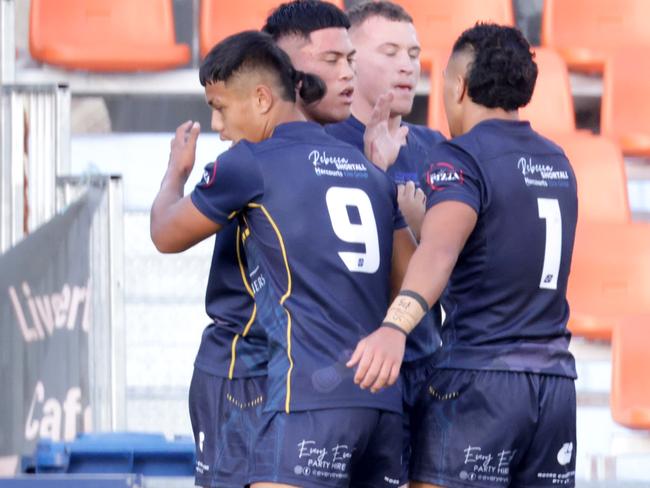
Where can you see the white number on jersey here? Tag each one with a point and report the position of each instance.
(549, 210)
(338, 200)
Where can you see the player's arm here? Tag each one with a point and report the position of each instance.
(403, 249)
(176, 223)
(445, 230)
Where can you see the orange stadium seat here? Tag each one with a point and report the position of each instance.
(440, 22)
(585, 32)
(550, 111)
(220, 18)
(106, 35)
(602, 180)
(603, 274)
(625, 114)
(610, 277)
(630, 397)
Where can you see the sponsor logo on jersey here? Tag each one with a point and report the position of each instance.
(441, 174)
(335, 165)
(209, 174)
(543, 174)
(565, 454)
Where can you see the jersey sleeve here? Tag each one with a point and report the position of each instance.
(229, 184)
(452, 175)
(399, 222)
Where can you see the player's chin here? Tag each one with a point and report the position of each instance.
(402, 105)
(336, 112)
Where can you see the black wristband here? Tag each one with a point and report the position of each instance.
(391, 325)
(417, 297)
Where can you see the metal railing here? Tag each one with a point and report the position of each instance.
(107, 342)
(34, 150)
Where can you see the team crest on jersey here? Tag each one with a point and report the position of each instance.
(442, 173)
(209, 174)
(326, 164)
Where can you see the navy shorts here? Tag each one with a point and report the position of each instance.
(330, 448)
(415, 375)
(495, 429)
(225, 417)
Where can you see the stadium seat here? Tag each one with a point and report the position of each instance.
(610, 277)
(602, 181)
(585, 32)
(630, 396)
(608, 245)
(440, 22)
(220, 18)
(550, 111)
(625, 113)
(106, 35)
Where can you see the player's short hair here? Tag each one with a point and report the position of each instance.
(254, 50)
(302, 17)
(503, 72)
(387, 10)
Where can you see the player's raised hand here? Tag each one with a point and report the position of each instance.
(381, 142)
(412, 203)
(378, 358)
(183, 147)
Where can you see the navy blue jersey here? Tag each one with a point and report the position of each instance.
(413, 157)
(410, 165)
(232, 345)
(506, 299)
(318, 233)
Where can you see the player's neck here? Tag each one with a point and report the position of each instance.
(363, 114)
(285, 113)
(480, 114)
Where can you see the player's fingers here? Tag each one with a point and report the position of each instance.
(195, 130)
(402, 132)
(401, 190)
(410, 189)
(364, 365)
(394, 374)
(382, 378)
(182, 129)
(386, 100)
(356, 355)
(420, 196)
(373, 371)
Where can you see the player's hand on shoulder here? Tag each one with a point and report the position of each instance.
(183, 148)
(378, 358)
(381, 143)
(412, 204)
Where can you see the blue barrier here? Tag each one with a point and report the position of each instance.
(74, 481)
(115, 452)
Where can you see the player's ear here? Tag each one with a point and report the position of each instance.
(263, 99)
(460, 88)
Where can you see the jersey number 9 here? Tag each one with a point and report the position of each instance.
(338, 200)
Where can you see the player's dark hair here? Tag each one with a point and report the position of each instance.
(387, 10)
(254, 50)
(302, 17)
(503, 72)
